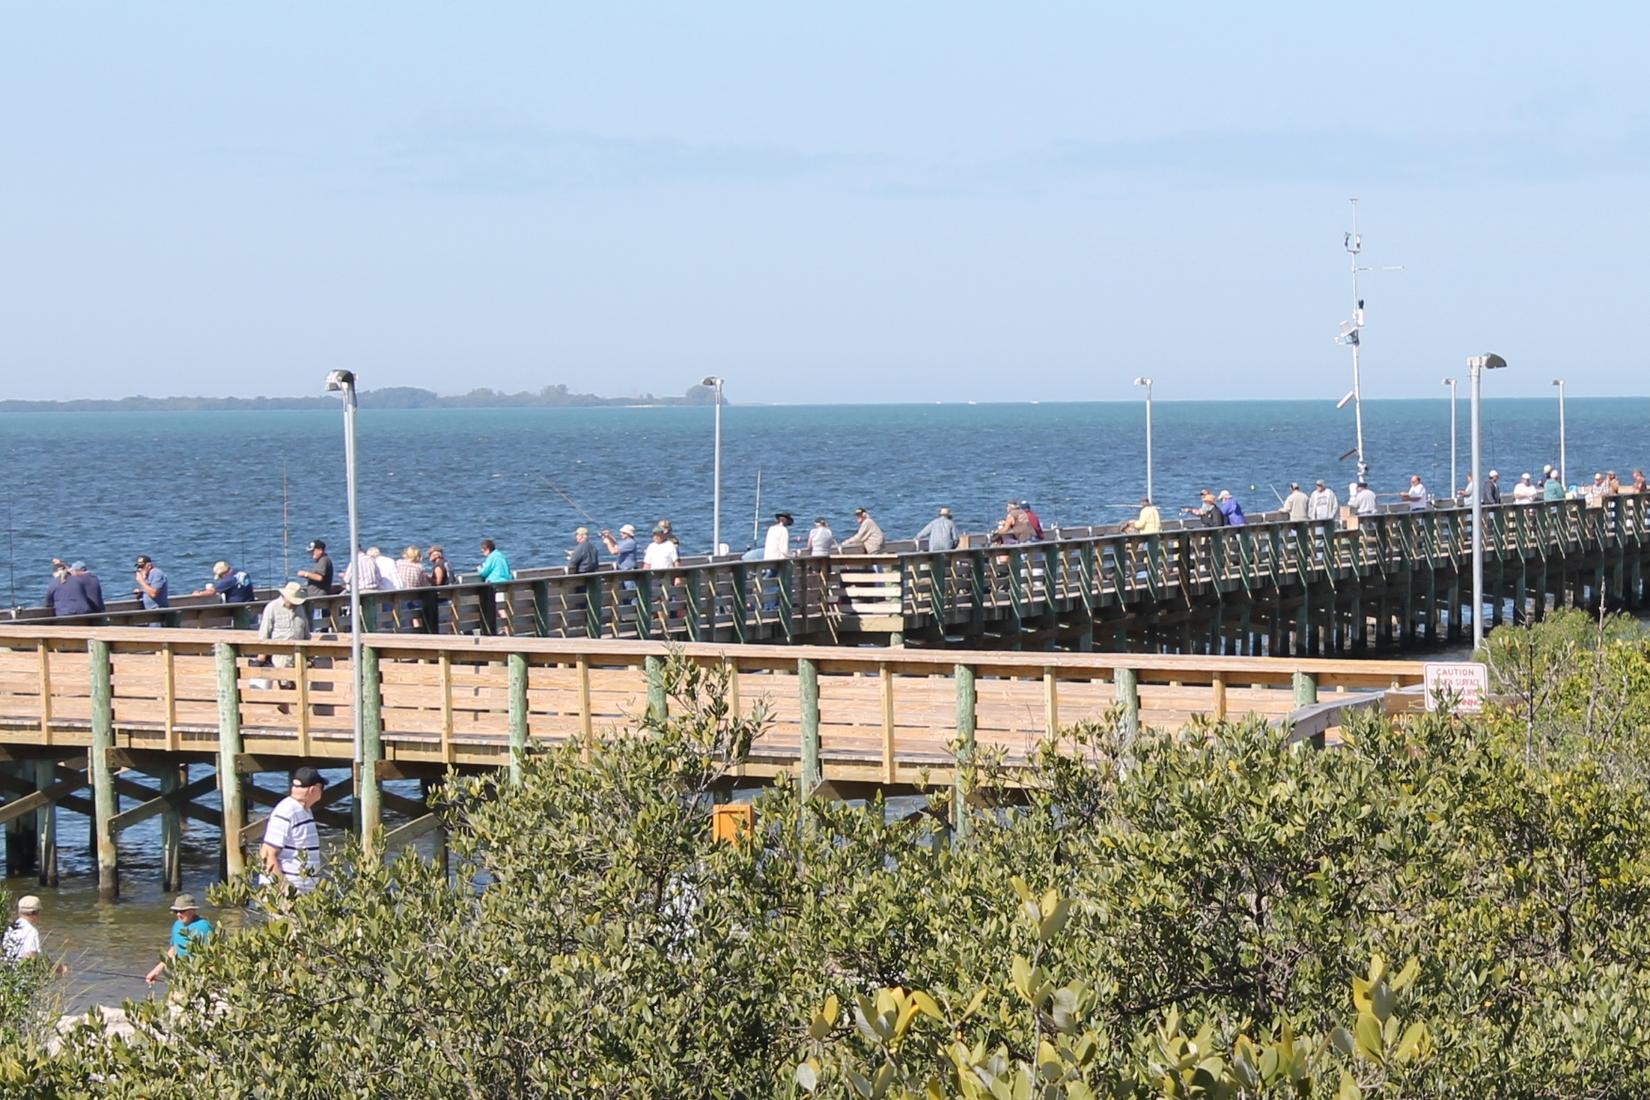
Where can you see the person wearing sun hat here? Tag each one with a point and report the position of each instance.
(188, 927)
(22, 939)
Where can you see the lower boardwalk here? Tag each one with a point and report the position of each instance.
(100, 708)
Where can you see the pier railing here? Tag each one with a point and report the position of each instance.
(875, 715)
(860, 597)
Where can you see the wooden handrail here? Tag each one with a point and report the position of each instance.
(889, 593)
(879, 716)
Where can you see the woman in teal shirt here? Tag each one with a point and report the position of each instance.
(189, 927)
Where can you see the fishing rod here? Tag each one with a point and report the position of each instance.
(571, 502)
(11, 554)
(756, 517)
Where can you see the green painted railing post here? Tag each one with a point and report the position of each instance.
(1306, 689)
(368, 785)
(966, 724)
(518, 713)
(657, 708)
(1128, 698)
(103, 779)
(807, 690)
(229, 747)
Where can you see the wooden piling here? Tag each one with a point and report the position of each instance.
(171, 830)
(1128, 697)
(45, 825)
(229, 748)
(1306, 689)
(807, 690)
(518, 713)
(369, 786)
(103, 779)
(657, 706)
(966, 726)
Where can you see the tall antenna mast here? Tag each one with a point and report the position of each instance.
(1350, 336)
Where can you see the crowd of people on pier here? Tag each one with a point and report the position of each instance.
(75, 590)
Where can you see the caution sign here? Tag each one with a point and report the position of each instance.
(1462, 685)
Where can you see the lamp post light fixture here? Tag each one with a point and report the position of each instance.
(1147, 382)
(1477, 365)
(1453, 449)
(715, 383)
(342, 383)
(1563, 475)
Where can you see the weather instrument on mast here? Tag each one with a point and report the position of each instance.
(1350, 336)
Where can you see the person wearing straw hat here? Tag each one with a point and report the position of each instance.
(283, 620)
(188, 927)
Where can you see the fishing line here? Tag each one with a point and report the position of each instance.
(572, 502)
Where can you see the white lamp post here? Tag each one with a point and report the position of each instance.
(1453, 449)
(1563, 477)
(1477, 365)
(1147, 382)
(716, 491)
(342, 382)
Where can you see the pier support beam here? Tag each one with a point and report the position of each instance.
(103, 778)
(1306, 689)
(45, 825)
(1128, 697)
(518, 712)
(966, 725)
(171, 831)
(656, 704)
(807, 690)
(229, 747)
(370, 787)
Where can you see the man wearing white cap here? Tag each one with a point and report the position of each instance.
(1525, 491)
(622, 548)
(22, 939)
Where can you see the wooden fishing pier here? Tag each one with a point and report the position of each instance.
(1381, 583)
(893, 673)
(151, 722)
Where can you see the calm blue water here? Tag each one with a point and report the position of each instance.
(190, 488)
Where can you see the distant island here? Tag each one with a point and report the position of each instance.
(391, 397)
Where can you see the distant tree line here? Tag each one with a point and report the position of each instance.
(389, 397)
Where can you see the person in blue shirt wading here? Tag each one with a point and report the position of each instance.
(188, 928)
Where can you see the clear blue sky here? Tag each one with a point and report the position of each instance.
(834, 202)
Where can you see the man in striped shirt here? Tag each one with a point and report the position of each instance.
(292, 847)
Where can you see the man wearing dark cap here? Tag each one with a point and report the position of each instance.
(152, 586)
(778, 542)
(291, 850)
(318, 577)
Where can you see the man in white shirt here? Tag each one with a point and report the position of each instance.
(1417, 493)
(291, 851)
(661, 552)
(22, 939)
(1363, 501)
(387, 576)
(1525, 491)
(1323, 503)
(778, 543)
